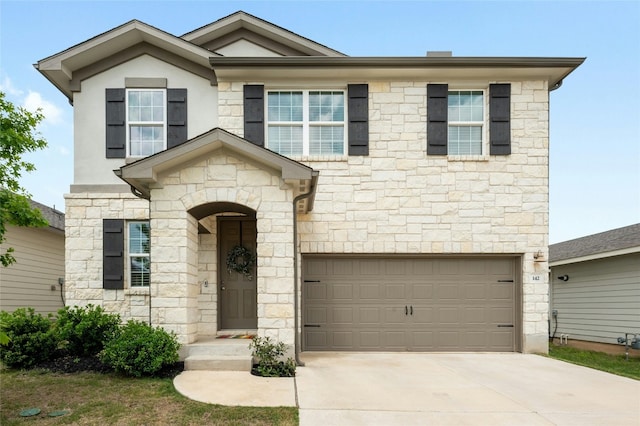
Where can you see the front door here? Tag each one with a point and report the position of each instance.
(238, 292)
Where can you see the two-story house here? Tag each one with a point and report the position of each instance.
(243, 177)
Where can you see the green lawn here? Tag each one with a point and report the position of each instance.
(616, 364)
(99, 399)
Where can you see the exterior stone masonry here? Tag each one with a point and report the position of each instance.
(397, 200)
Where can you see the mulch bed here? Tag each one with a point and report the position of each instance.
(70, 364)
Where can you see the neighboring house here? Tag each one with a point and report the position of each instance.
(595, 286)
(36, 278)
(392, 203)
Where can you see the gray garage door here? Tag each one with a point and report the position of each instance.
(409, 304)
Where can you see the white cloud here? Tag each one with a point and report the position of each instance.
(51, 112)
(7, 87)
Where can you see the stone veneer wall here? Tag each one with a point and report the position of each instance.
(180, 256)
(398, 200)
(83, 252)
(208, 271)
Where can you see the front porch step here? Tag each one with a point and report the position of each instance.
(218, 363)
(218, 355)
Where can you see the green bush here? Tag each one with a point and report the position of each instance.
(138, 349)
(31, 340)
(84, 331)
(269, 356)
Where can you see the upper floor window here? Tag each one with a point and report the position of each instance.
(139, 262)
(306, 122)
(466, 122)
(146, 121)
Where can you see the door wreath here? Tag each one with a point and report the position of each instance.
(241, 260)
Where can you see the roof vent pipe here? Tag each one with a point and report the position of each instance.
(439, 54)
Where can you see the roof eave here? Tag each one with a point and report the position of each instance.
(554, 70)
(59, 68)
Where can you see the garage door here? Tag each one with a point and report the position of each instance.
(409, 304)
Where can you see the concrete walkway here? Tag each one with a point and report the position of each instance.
(430, 389)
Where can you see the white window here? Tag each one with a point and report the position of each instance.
(139, 254)
(466, 122)
(146, 121)
(306, 122)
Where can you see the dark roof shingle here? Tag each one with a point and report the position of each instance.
(616, 239)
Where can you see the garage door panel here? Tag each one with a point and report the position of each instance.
(421, 292)
(409, 304)
(448, 340)
(369, 267)
(342, 339)
(395, 292)
(448, 315)
(369, 292)
(397, 268)
(501, 315)
(316, 292)
(370, 315)
(448, 291)
(342, 316)
(474, 315)
(394, 315)
(342, 267)
(502, 291)
(342, 291)
(394, 339)
(316, 340)
(370, 340)
(502, 340)
(421, 341)
(422, 315)
(476, 291)
(316, 315)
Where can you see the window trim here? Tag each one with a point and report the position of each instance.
(128, 123)
(130, 255)
(484, 143)
(306, 123)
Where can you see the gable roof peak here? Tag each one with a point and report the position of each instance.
(242, 20)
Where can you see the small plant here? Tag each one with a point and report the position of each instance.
(139, 349)
(84, 331)
(268, 355)
(31, 340)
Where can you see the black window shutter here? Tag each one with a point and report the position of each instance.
(500, 119)
(437, 116)
(358, 130)
(113, 254)
(176, 117)
(116, 134)
(254, 113)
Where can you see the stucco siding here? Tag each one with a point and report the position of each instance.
(33, 280)
(91, 167)
(600, 301)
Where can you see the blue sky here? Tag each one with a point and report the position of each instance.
(594, 118)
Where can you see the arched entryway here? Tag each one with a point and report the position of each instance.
(234, 226)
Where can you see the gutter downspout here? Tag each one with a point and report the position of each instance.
(296, 339)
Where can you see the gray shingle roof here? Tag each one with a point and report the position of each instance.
(616, 239)
(53, 216)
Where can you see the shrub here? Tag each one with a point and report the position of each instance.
(84, 331)
(31, 340)
(269, 356)
(138, 349)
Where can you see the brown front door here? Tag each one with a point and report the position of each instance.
(238, 295)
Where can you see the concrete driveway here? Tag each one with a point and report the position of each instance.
(460, 389)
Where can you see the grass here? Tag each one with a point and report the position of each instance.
(99, 399)
(616, 364)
